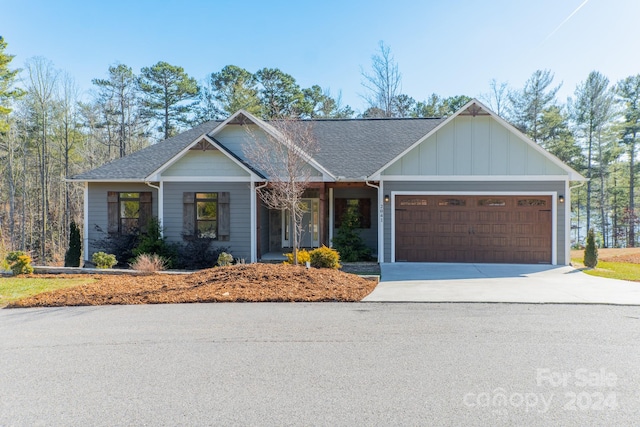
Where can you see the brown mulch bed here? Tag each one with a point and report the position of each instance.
(239, 283)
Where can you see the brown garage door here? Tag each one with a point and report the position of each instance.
(490, 229)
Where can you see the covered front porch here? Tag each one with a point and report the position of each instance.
(323, 204)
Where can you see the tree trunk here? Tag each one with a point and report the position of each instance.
(12, 199)
(632, 213)
(43, 178)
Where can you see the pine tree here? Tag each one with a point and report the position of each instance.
(73, 254)
(8, 93)
(169, 95)
(591, 251)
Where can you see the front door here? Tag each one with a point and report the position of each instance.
(309, 233)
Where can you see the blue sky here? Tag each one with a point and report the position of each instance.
(447, 47)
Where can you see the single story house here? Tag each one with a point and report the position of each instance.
(466, 188)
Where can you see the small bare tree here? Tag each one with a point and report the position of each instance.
(383, 82)
(283, 155)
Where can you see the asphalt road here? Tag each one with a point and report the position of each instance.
(321, 364)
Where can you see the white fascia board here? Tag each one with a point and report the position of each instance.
(573, 175)
(157, 174)
(474, 193)
(207, 179)
(121, 180)
(251, 173)
(475, 178)
(328, 176)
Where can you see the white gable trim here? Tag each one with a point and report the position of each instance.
(156, 175)
(571, 173)
(536, 178)
(327, 176)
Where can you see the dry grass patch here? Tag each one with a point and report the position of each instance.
(613, 263)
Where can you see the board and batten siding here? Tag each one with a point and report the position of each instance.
(469, 187)
(239, 242)
(369, 235)
(198, 163)
(97, 207)
(473, 146)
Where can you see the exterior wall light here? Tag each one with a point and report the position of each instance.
(386, 198)
(561, 198)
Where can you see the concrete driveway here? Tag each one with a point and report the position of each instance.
(509, 283)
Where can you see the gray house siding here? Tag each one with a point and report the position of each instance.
(469, 187)
(97, 205)
(239, 242)
(369, 235)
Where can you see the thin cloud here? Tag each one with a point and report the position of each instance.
(565, 21)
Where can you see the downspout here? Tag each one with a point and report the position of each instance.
(160, 204)
(254, 214)
(85, 226)
(568, 220)
(380, 219)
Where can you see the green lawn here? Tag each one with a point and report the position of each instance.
(15, 288)
(612, 270)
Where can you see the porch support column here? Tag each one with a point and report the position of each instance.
(331, 219)
(380, 221)
(322, 224)
(253, 226)
(85, 225)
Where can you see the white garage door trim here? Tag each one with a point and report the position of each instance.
(554, 211)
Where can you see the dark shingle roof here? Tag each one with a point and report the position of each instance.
(353, 148)
(142, 163)
(349, 148)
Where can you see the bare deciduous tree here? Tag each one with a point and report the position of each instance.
(283, 155)
(42, 83)
(383, 82)
(498, 97)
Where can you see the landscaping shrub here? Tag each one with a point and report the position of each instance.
(121, 246)
(224, 259)
(591, 251)
(4, 265)
(348, 241)
(198, 253)
(152, 242)
(19, 262)
(74, 252)
(303, 257)
(325, 257)
(104, 260)
(149, 263)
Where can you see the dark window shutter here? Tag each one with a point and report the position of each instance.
(188, 214)
(224, 216)
(340, 208)
(365, 213)
(113, 217)
(146, 210)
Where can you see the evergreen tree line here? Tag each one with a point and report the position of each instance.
(49, 130)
